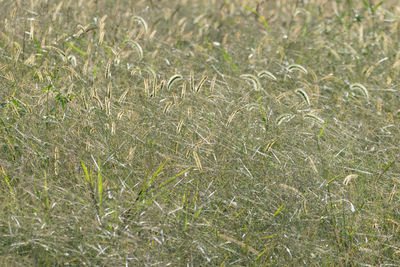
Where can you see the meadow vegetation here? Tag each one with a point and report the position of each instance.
(199, 133)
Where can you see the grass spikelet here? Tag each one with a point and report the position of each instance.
(102, 25)
(313, 74)
(290, 188)
(270, 144)
(297, 67)
(334, 53)
(197, 160)
(305, 12)
(316, 92)
(123, 96)
(173, 79)
(183, 91)
(120, 114)
(161, 85)
(312, 164)
(107, 72)
(252, 106)
(56, 157)
(179, 126)
(201, 82)
(98, 101)
(265, 73)
(239, 243)
(57, 10)
(141, 22)
(313, 117)
(152, 72)
(72, 59)
(284, 117)
(146, 84)
(253, 79)
(348, 178)
(379, 103)
(361, 88)
(191, 80)
(107, 104)
(39, 75)
(109, 90)
(230, 119)
(7, 180)
(58, 50)
(213, 81)
(303, 95)
(137, 47)
(30, 61)
(167, 106)
(17, 51)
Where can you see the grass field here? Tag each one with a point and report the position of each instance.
(199, 133)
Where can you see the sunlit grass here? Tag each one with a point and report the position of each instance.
(199, 133)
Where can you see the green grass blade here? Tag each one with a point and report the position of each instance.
(85, 171)
(99, 185)
(261, 18)
(171, 179)
(279, 210)
(76, 49)
(7, 180)
(323, 129)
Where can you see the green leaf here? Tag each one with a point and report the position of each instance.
(279, 210)
(76, 49)
(37, 45)
(379, 4)
(198, 212)
(7, 180)
(158, 172)
(85, 171)
(331, 180)
(323, 129)
(171, 179)
(261, 18)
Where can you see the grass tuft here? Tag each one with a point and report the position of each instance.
(199, 133)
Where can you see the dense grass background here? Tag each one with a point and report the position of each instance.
(199, 133)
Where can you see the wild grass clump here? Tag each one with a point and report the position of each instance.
(199, 133)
